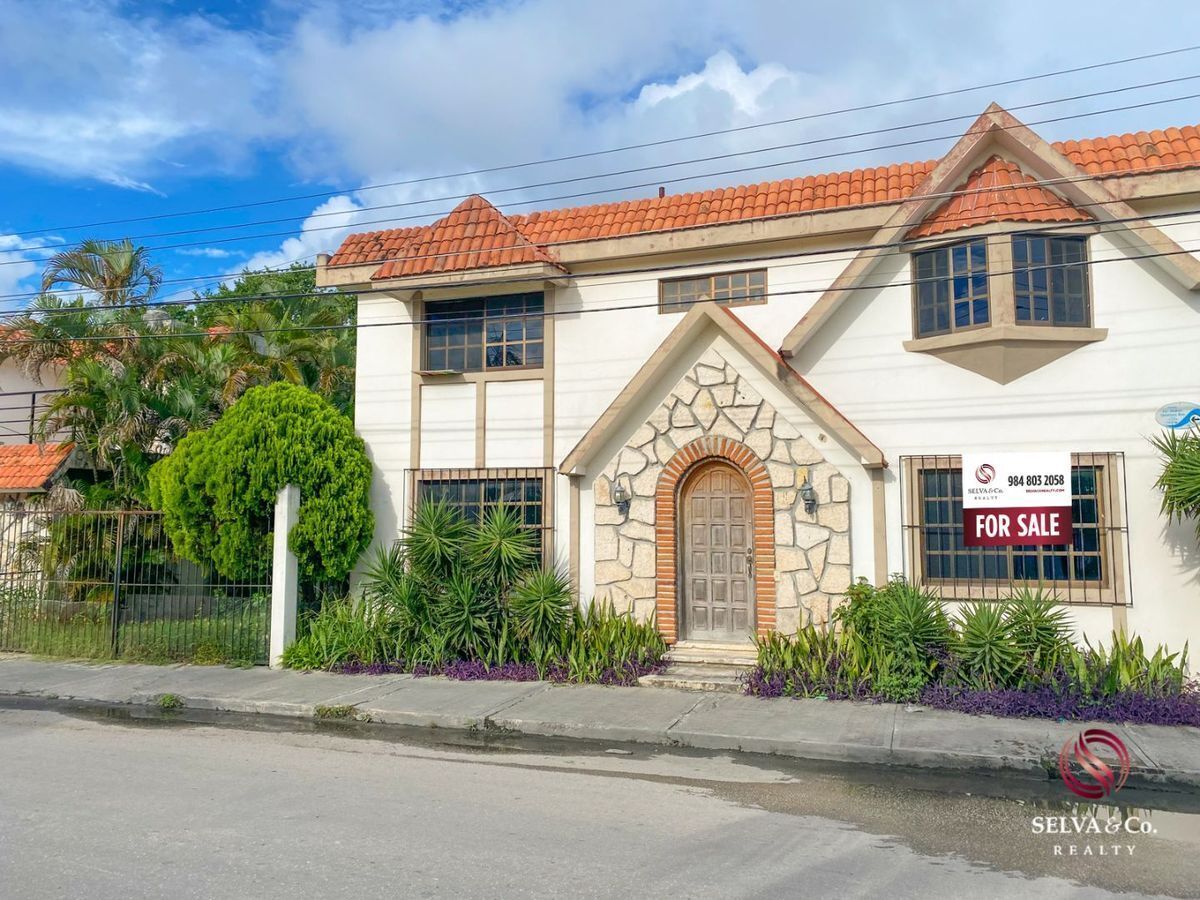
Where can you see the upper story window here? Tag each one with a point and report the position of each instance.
(484, 333)
(728, 289)
(1050, 282)
(951, 288)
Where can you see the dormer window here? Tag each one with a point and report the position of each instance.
(950, 288)
(1050, 281)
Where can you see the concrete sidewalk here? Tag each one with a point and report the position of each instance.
(1167, 757)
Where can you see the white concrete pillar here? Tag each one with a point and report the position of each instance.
(285, 576)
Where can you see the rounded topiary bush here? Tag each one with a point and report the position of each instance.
(217, 489)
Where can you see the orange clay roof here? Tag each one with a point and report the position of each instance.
(474, 235)
(998, 191)
(30, 467)
(1126, 154)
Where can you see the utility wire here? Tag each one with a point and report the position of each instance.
(347, 326)
(902, 245)
(641, 146)
(634, 170)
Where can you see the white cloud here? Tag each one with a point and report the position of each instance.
(21, 261)
(210, 252)
(91, 92)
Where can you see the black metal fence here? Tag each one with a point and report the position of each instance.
(1093, 569)
(21, 413)
(105, 584)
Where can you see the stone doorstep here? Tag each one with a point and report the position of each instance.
(722, 679)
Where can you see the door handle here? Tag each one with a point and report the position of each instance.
(750, 563)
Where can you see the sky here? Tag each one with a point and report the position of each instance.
(293, 112)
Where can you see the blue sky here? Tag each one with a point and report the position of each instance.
(113, 110)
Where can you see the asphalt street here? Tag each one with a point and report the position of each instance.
(105, 807)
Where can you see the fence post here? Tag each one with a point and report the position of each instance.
(118, 562)
(284, 574)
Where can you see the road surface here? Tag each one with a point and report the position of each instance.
(114, 808)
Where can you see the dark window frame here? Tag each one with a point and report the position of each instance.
(677, 295)
(1046, 283)
(502, 332)
(951, 275)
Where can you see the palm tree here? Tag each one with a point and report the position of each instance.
(1180, 478)
(116, 272)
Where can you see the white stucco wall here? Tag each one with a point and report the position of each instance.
(1100, 398)
(383, 406)
(513, 432)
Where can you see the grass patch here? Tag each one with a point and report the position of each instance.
(237, 635)
(339, 713)
(169, 702)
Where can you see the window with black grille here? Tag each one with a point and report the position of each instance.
(1089, 569)
(472, 492)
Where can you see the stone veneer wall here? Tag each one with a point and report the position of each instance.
(812, 552)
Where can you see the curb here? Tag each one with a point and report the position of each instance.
(1039, 768)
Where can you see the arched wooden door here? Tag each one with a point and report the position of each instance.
(717, 577)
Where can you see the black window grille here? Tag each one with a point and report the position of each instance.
(472, 492)
(1090, 569)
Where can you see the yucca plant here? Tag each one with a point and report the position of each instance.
(1040, 630)
(499, 549)
(987, 654)
(435, 541)
(541, 606)
(466, 614)
(913, 626)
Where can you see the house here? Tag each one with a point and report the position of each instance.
(724, 407)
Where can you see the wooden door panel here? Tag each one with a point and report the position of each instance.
(718, 534)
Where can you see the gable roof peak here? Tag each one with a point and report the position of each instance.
(997, 191)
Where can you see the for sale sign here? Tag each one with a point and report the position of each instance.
(1012, 499)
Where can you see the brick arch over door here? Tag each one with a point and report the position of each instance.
(666, 532)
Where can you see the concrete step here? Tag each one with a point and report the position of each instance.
(707, 679)
(707, 656)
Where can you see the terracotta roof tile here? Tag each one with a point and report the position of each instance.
(998, 191)
(29, 467)
(455, 242)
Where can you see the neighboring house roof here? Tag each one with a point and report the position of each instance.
(998, 191)
(469, 237)
(31, 467)
(682, 336)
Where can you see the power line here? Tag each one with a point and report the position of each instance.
(641, 146)
(641, 169)
(167, 335)
(908, 245)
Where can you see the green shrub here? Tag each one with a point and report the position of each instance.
(217, 490)
(541, 607)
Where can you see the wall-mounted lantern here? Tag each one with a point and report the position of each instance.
(809, 495)
(621, 498)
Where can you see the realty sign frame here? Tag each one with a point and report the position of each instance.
(1016, 499)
